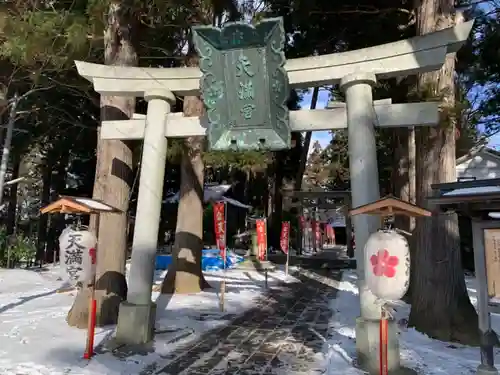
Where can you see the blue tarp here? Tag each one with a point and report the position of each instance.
(210, 260)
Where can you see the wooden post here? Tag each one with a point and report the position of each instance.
(300, 236)
(222, 292)
(287, 262)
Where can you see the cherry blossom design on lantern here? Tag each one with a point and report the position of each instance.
(384, 264)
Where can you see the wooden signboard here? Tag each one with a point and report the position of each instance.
(492, 254)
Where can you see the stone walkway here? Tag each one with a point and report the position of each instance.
(284, 334)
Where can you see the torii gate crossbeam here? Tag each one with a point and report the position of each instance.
(179, 126)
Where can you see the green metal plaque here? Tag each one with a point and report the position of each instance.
(244, 85)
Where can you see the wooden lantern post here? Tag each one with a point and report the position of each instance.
(386, 207)
(84, 206)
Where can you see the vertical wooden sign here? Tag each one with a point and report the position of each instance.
(492, 255)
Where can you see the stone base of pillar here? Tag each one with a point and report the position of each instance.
(367, 346)
(135, 323)
(486, 370)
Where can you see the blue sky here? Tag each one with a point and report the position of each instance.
(494, 141)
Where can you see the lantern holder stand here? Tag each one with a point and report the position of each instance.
(84, 206)
(387, 208)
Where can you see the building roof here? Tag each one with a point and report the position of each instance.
(471, 197)
(482, 148)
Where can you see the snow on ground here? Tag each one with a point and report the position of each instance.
(35, 339)
(419, 352)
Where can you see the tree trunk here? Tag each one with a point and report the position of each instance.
(404, 179)
(58, 184)
(269, 190)
(405, 186)
(185, 274)
(248, 180)
(12, 196)
(41, 255)
(11, 217)
(276, 215)
(305, 149)
(441, 307)
(113, 182)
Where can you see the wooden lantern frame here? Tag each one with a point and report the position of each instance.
(78, 205)
(388, 206)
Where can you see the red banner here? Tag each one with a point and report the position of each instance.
(285, 236)
(261, 229)
(302, 222)
(318, 234)
(220, 227)
(330, 233)
(313, 234)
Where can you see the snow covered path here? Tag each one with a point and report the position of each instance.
(297, 328)
(285, 333)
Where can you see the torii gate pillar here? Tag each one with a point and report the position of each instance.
(365, 189)
(138, 312)
(363, 167)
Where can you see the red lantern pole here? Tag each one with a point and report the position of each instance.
(89, 349)
(384, 327)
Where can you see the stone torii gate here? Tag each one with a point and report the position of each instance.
(355, 71)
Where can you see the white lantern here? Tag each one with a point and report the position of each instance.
(75, 254)
(387, 265)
